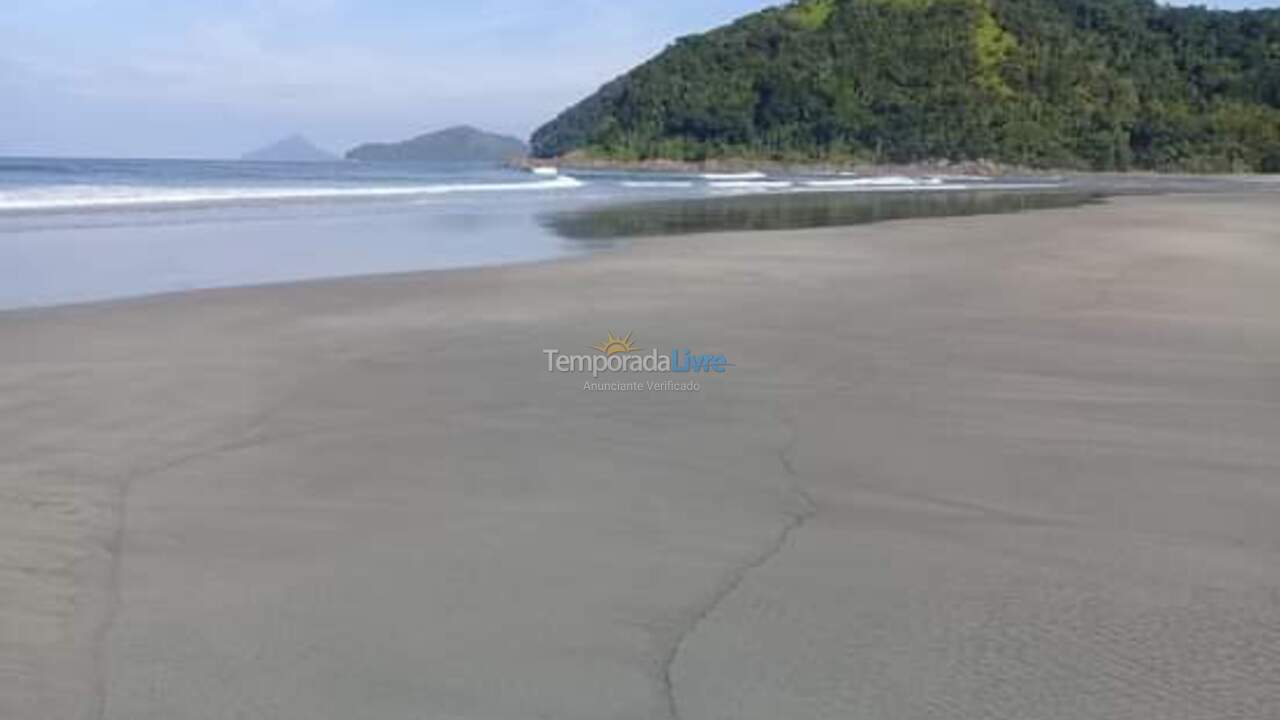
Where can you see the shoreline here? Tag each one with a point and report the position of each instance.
(734, 165)
(136, 256)
(566, 228)
(609, 243)
(1041, 440)
(126, 301)
(977, 168)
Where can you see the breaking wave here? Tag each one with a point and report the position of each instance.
(89, 197)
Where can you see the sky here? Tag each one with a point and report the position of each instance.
(216, 78)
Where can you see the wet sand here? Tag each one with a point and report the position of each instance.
(1018, 466)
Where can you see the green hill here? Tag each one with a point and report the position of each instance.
(1099, 84)
(456, 144)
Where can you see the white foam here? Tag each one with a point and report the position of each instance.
(930, 186)
(878, 181)
(657, 184)
(753, 175)
(547, 171)
(111, 196)
(562, 182)
(752, 184)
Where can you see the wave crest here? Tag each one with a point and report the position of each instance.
(91, 197)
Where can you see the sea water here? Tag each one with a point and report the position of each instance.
(75, 230)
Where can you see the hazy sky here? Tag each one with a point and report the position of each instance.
(213, 78)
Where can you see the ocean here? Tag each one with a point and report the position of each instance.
(76, 230)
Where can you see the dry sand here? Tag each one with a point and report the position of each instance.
(1024, 466)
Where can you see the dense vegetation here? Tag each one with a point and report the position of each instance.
(1102, 84)
(456, 144)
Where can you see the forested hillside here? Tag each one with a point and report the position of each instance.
(462, 143)
(1100, 84)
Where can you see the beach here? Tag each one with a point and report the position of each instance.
(998, 466)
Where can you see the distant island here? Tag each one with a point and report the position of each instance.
(1085, 84)
(456, 144)
(294, 148)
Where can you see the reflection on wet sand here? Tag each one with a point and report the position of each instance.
(594, 226)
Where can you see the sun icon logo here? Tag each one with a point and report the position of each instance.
(616, 346)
